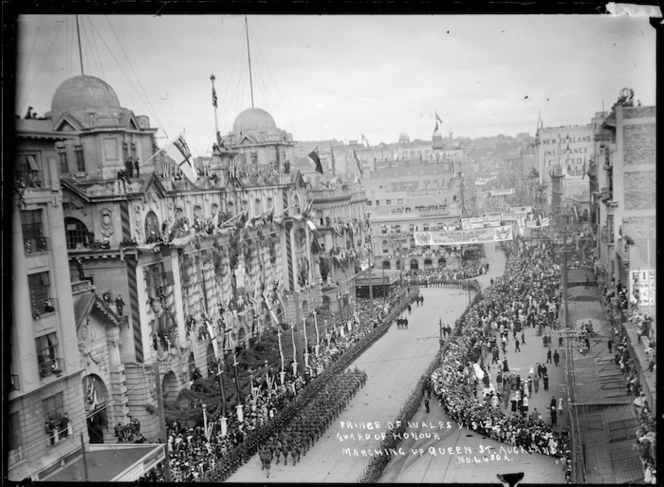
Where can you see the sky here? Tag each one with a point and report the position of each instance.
(325, 77)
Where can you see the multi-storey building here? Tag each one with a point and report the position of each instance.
(568, 148)
(45, 380)
(626, 209)
(339, 213)
(165, 275)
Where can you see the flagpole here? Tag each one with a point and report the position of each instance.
(251, 81)
(214, 105)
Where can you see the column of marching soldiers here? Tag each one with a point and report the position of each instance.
(290, 434)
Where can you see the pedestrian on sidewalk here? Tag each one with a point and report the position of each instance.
(523, 338)
(505, 367)
(560, 406)
(516, 348)
(548, 356)
(610, 345)
(560, 341)
(556, 358)
(536, 383)
(426, 403)
(546, 382)
(554, 417)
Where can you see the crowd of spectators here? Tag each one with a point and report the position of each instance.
(431, 277)
(527, 295)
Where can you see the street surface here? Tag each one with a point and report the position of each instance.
(393, 365)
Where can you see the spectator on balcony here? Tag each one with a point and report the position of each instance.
(50, 431)
(48, 307)
(64, 426)
(119, 304)
(129, 167)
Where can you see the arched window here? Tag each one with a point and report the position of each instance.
(198, 211)
(386, 264)
(270, 203)
(151, 226)
(386, 246)
(414, 265)
(77, 233)
(442, 262)
(258, 206)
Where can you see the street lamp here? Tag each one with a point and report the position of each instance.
(220, 374)
(205, 427)
(240, 416)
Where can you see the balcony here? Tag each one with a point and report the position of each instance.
(35, 245)
(44, 308)
(607, 194)
(14, 382)
(51, 367)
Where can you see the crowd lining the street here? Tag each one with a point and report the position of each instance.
(527, 295)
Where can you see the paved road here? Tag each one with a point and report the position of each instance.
(393, 365)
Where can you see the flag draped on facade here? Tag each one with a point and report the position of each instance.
(179, 152)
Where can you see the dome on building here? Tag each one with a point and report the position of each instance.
(83, 92)
(254, 120)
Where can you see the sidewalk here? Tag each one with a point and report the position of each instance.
(606, 418)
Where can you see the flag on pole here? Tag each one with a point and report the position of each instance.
(179, 152)
(438, 119)
(214, 97)
(316, 160)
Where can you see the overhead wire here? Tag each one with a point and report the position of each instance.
(26, 94)
(97, 52)
(269, 71)
(129, 79)
(145, 96)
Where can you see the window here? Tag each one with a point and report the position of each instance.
(151, 227)
(369, 202)
(133, 149)
(258, 206)
(400, 201)
(377, 202)
(33, 234)
(254, 158)
(62, 156)
(383, 229)
(77, 233)
(125, 151)
(388, 202)
(39, 285)
(425, 227)
(397, 228)
(53, 411)
(13, 434)
(80, 158)
(27, 170)
(47, 355)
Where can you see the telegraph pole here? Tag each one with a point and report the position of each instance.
(162, 422)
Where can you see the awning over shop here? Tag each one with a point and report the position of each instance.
(120, 462)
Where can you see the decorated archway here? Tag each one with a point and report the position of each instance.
(442, 262)
(428, 264)
(96, 400)
(386, 264)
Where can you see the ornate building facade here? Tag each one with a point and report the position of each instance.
(168, 275)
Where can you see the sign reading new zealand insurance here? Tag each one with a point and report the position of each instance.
(461, 237)
(571, 148)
